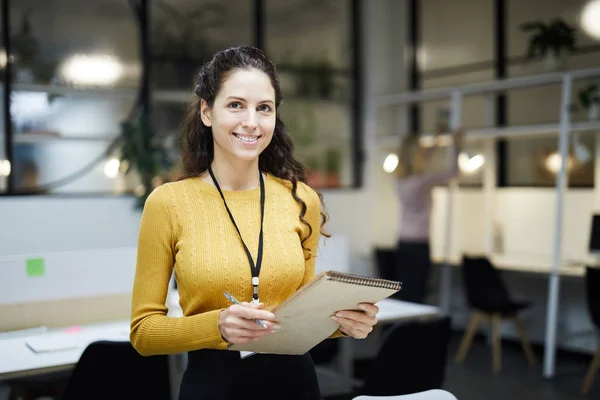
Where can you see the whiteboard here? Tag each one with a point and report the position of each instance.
(69, 274)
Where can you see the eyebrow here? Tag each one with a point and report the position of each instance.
(242, 99)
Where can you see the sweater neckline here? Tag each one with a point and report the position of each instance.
(232, 194)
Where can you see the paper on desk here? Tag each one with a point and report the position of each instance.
(52, 343)
(61, 341)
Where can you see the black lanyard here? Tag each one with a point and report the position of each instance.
(254, 268)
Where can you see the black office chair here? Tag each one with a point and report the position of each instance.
(592, 286)
(325, 352)
(385, 260)
(412, 359)
(488, 297)
(387, 268)
(115, 370)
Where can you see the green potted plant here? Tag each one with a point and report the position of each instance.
(142, 152)
(550, 41)
(589, 99)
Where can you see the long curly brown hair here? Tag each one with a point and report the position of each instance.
(197, 139)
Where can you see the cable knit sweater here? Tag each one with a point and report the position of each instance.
(185, 227)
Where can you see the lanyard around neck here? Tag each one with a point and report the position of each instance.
(255, 268)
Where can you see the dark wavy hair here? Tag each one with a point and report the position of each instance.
(197, 139)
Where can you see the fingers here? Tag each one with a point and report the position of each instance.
(356, 323)
(353, 328)
(360, 322)
(251, 311)
(244, 334)
(369, 309)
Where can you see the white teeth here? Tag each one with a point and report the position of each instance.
(247, 139)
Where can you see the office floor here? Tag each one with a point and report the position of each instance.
(517, 381)
(475, 381)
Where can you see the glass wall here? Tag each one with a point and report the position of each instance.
(311, 44)
(183, 36)
(74, 80)
(5, 166)
(77, 73)
(529, 160)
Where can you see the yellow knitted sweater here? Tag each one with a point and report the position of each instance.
(185, 227)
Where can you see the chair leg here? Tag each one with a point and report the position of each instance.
(524, 341)
(496, 350)
(467, 339)
(591, 374)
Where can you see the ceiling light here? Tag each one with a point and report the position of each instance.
(111, 168)
(390, 163)
(469, 165)
(590, 19)
(98, 70)
(553, 162)
(4, 168)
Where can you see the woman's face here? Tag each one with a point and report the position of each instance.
(242, 117)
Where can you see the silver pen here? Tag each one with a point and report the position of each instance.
(235, 301)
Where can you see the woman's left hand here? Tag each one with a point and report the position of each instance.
(357, 324)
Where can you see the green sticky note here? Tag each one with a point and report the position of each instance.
(35, 267)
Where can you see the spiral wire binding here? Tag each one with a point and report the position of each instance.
(363, 280)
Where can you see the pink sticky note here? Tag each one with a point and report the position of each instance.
(73, 329)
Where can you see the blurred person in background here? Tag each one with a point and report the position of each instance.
(414, 186)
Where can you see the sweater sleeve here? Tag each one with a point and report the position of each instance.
(152, 331)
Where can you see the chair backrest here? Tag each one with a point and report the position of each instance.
(435, 394)
(484, 285)
(592, 285)
(385, 260)
(115, 370)
(412, 359)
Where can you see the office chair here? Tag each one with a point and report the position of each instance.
(488, 297)
(49, 386)
(435, 394)
(592, 286)
(115, 370)
(412, 359)
(385, 261)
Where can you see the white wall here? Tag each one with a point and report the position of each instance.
(50, 224)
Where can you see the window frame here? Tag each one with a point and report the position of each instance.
(355, 77)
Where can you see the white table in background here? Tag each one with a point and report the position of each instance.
(18, 360)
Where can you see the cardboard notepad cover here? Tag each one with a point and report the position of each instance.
(305, 317)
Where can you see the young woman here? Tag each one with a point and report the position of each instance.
(414, 186)
(242, 220)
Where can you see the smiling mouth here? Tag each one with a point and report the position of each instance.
(246, 138)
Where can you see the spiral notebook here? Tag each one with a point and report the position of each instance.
(305, 317)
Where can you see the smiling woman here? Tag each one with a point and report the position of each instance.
(243, 115)
(241, 220)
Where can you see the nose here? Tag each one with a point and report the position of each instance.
(251, 120)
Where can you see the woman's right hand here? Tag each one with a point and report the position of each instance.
(238, 325)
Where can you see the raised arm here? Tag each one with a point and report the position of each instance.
(443, 177)
(152, 331)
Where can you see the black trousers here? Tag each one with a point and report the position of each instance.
(413, 268)
(223, 375)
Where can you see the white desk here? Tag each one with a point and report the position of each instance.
(391, 310)
(18, 360)
(527, 264)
